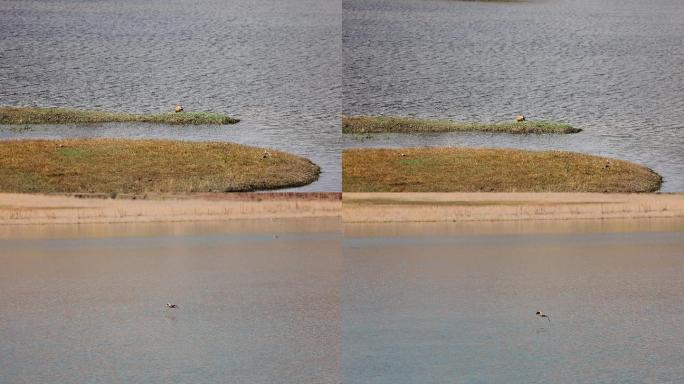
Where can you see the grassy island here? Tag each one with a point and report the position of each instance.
(12, 115)
(489, 170)
(139, 166)
(382, 124)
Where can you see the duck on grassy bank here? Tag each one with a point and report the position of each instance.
(15, 115)
(387, 124)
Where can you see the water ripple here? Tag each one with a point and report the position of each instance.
(614, 68)
(274, 64)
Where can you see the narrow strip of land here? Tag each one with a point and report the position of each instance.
(25, 209)
(15, 115)
(454, 207)
(386, 124)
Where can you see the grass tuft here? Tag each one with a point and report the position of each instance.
(489, 170)
(13, 115)
(114, 166)
(382, 124)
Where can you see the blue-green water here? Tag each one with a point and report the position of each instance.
(310, 301)
(86, 304)
(431, 303)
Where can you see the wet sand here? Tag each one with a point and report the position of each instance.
(444, 207)
(82, 209)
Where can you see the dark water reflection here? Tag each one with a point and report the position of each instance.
(274, 64)
(85, 304)
(613, 68)
(437, 303)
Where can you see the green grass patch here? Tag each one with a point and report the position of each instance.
(383, 124)
(115, 166)
(18, 116)
(412, 163)
(73, 153)
(489, 170)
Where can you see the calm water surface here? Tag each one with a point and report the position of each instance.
(614, 68)
(86, 304)
(452, 303)
(274, 64)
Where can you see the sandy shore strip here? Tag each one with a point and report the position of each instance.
(21, 209)
(451, 207)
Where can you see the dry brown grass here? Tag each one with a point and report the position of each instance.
(139, 166)
(387, 124)
(23, 209)
(13, 115)
(468, 206)
(489, 170)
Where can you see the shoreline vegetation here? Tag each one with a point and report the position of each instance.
(386, 124)
(489, 170)
(16, 116)
(469, 207)
(40, 209)
(120, 166)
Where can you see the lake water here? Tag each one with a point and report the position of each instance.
(86, 304)
(456, 303)
(614, 68)
(274, 64)
(383, 303)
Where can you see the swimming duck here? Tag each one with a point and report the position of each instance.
(543, 315)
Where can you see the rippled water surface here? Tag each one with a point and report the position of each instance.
(614, 68)
(452, 303)
(86, 304)
(274, 64)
